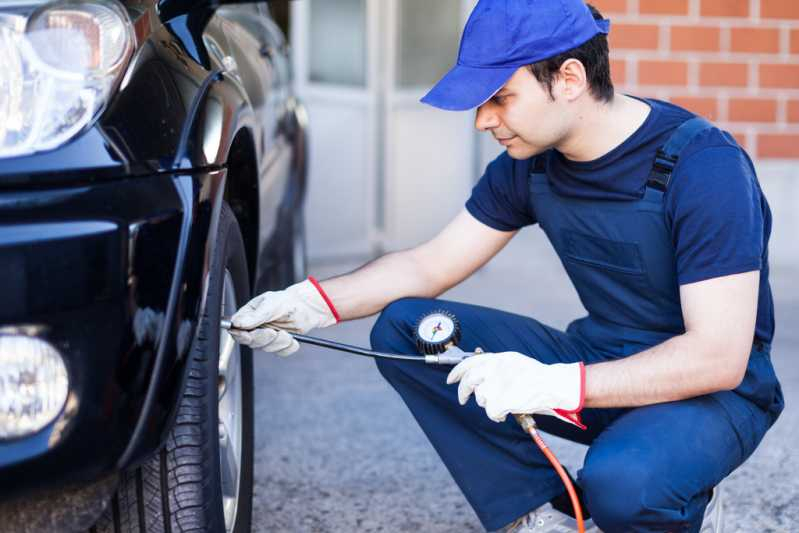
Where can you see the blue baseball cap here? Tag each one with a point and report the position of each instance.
(503, 35)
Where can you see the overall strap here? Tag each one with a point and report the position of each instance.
(667, 155)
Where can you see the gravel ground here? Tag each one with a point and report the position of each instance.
(336, 449)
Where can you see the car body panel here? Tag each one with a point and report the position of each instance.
(118, 228)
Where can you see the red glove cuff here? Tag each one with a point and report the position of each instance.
(574, 414)
(333, 309)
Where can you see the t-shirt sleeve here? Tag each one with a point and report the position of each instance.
(715, 209)
(500, 198)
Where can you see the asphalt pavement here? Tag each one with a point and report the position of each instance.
(337, 450)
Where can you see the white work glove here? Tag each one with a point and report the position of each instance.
(263, 322)
(511, 383)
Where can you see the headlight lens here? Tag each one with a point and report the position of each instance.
(57, 68)
(33, 385)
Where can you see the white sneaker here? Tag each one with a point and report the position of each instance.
(546, 519)
(713, 522)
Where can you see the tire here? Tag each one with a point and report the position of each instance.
(180, 489)
(298, 265)
(291, 262)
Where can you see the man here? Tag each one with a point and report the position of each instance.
(668, 378)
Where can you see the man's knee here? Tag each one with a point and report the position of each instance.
(393, 329)
(393, 333)
(623, 496)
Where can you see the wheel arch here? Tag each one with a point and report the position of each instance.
(242, 194)
(221, 109)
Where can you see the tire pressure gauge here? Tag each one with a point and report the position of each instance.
(436, 332)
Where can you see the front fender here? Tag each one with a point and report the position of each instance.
(200, 198)
(220, 113)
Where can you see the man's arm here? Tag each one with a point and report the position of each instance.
(711, 355)
(427, 270)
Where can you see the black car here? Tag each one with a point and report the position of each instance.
(152, 175)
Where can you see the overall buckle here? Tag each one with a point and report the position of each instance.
(660, 175)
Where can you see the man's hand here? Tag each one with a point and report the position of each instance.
(263, 322)
(509, 382)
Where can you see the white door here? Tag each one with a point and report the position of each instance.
(386, 171)
(334, 47)
(429, 153)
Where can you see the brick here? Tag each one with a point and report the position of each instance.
(610, 6)
(779, 9)
(706, 107)
(793, 110)
(634, 36)
(778, 145)
(662, 73)
(695, 38)
(723, 74)
(779, 76)
(757, 40)
(753, 110)
(663, 7)
(795, 41)
(618, 71)
(724, 8)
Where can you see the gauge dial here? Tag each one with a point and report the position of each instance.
(436, 327)
(436, 331)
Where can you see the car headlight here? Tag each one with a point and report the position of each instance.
(34, 385)
(58, 64)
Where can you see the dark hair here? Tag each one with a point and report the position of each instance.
(593, 54)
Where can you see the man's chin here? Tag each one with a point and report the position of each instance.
(522, 152)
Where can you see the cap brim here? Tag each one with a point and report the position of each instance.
(465, 88)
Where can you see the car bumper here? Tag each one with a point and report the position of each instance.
(108, 275)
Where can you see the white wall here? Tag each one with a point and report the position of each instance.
(780, 183)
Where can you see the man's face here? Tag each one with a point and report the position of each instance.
(523, 117)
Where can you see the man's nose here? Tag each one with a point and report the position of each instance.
(486, 118)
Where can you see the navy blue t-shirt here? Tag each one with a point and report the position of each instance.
(719, 219)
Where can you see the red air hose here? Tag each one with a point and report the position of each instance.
(528, 424)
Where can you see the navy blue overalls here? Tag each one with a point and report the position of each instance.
(649, 468)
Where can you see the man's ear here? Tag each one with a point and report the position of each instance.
(572, 80)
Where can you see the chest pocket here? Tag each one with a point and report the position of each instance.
(622, 257)
(610, 277)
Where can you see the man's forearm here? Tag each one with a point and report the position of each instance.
(681, 367)
(370, 288)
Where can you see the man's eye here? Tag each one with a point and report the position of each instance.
(500, 99)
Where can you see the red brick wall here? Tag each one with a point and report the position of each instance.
(735, 62)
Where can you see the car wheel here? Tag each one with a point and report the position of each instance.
(202, 480)
(291, 263)
(299, 254)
